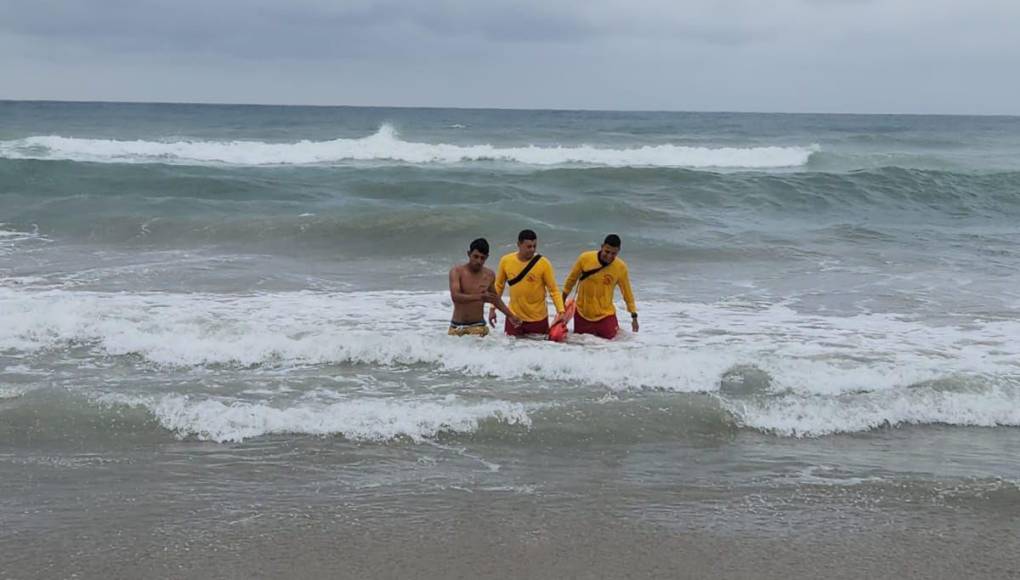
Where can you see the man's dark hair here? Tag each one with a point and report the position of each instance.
(481, 244)
(526, 235)
(612, 240)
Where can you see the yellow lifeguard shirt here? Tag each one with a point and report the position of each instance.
(595, 293)
(527, 297)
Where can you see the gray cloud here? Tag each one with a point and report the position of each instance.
(788, 55)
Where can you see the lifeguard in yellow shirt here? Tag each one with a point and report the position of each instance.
(597, 274)
(529, 276)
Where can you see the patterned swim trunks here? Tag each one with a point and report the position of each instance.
(468, 329)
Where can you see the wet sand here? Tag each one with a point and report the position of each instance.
(483, 535)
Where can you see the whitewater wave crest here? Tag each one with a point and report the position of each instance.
(798, 415)
(358, 420)
(386, 146)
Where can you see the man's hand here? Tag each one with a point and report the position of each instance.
(634, 325)
(514, 321)
(492, 317)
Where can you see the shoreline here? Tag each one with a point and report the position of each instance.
(478, 538)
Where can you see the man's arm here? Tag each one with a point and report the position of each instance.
(628, 297)
(575, 273)
(500, 279)
(497, 303)
(549, 278)
(457, 293)
(500, 284)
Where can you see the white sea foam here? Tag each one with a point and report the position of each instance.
(830, 475)
(809, 416)
(826, 374)
(10, 391)
(11, 239)
(687, 347)
(385, 145)
(360, 419)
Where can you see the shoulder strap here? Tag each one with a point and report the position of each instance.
(525, 271)
(586, 273)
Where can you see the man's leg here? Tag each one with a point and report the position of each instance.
(608, 327)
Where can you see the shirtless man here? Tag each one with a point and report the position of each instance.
(471, 286)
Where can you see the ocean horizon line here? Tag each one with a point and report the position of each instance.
(497, 108)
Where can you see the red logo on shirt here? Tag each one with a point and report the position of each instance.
(607, 279)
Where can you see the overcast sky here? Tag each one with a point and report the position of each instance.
(870, 56)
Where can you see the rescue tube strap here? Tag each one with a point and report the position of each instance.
(586, 274)
(525, 271)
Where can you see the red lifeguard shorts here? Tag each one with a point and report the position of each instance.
(536, 327)
(605, 328)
